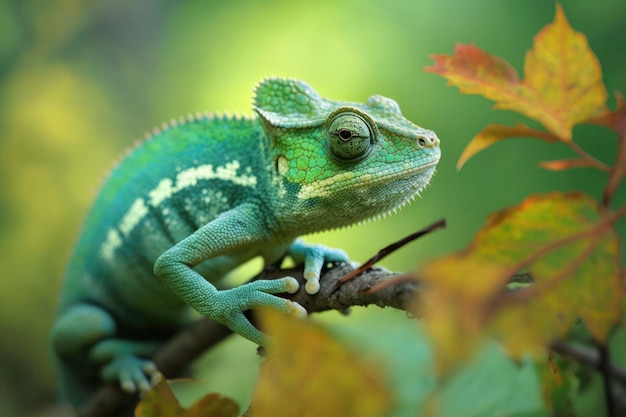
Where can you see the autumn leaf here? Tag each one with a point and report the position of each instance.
(495, 133)
(556, 387)
(307, 373)
(160, 401)
(562, 86)
(572, 252)
(452, 305)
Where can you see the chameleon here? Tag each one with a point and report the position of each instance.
(205, 193)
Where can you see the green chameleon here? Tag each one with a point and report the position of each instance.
(204, 194)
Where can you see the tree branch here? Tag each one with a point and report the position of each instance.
(176, 355)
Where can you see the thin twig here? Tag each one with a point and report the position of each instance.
(389, 249)
(605, 372)
(588, 356)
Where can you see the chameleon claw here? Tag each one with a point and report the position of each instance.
(312, 285)
(144, 387)
(155, 378)
(128, 386)
(151, 369)
(291, 285)
(296, 310)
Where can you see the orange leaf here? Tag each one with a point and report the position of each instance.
(160, 401)
(616, 119)
(563, 164)
(307, 373)
(475, 71)
(495, 133)
(562, 85)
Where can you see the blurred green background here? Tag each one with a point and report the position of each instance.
(81, 81)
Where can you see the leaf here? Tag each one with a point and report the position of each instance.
(456, 289)
(491, 386)
(572, 252)
(570, 249)
(564, 73)
(213, 405)
(563, 164)
(160, 401)
(557, 384)
(562, 85)
(495, 133)
(307, 373)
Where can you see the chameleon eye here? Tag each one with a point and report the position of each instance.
(350, 137)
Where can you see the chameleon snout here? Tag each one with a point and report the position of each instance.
(429, 140)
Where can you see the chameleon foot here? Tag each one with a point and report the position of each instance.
(314, 257)
(132, 373)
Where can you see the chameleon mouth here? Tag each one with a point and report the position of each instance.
(405, 178)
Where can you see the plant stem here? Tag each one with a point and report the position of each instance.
(593, 162)
(607, 380)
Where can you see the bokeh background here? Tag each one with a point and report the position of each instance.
(81, 81)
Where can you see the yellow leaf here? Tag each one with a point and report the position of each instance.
(160, 401)
(571, 250)
(452, 304)
(307, 373)
(563, 79)
(213, 405)
(495, 133)
(562, 85)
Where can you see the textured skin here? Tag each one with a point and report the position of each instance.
(204, 194)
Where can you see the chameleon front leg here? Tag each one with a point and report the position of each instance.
(314, 258)
(235, 230)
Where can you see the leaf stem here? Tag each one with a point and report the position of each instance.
(617, 172)
(593, 162)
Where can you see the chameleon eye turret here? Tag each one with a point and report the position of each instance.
(351, 135)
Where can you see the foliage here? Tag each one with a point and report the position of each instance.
(160, 401)
(566, 241)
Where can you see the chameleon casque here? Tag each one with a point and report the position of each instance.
(204, 194)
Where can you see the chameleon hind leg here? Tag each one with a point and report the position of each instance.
(87, 333)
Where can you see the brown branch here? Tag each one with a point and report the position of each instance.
(393, 290)
(594, 358)
(587, 356)
(176, 355)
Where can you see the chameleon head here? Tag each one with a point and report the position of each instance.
(342, 162)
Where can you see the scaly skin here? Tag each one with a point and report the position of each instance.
(205, 194)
